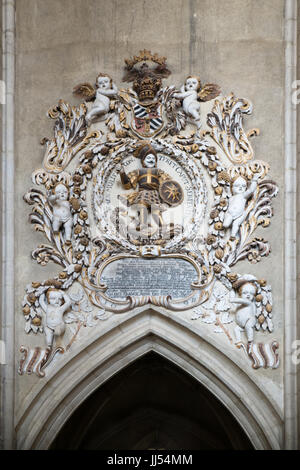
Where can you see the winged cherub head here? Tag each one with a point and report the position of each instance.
(192, 83)
(103, 81)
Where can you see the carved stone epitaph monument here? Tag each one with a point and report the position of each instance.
(150, 195)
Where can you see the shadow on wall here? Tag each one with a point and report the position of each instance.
(151, 404)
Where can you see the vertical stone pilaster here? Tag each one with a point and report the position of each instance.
(7, 207)
(290, 268)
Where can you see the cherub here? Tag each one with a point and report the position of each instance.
(217, 304)
(61, 211)
(101, 95)
(191, 93)
(246, 312)
(236, 213)
(56, 306)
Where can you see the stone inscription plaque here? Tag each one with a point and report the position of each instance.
(139, 276)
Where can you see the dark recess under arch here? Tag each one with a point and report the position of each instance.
(152, 404)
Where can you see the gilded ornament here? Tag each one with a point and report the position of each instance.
(63, 275)
(77, 179)
(36, 321)
(261, 319)
(104, 150)
(210, 239)
(75, 203)
(31, 298)
(26, 310)
(217, 268)
(218, 226)
(269, 308)
(35, 285)
(212, 166)
(83, 215)
(77, 229)
(53, 282)
(232, 277)
(87, 169)
(219, 190)
(258, 298)
(224, 176)
(214, 213)
(211, 150)
(219, 253)
(222, 202)
(84, 241)
(78, 268)
(77, 190)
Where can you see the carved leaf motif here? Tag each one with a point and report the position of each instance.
(176, 117)
(69, 135)
(44, 253)
(226, 121)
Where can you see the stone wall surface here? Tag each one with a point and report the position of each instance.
(238, 44)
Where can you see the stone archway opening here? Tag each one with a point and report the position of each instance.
(152, 404)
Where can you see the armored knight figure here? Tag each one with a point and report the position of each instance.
(156, 190)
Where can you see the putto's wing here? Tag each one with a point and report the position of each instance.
(85, 90)
(209, 92)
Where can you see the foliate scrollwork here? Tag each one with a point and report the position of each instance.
(226, 122)
(70, 135)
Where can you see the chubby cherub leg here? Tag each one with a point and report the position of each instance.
(68, 230)
(97, 111)
(194, 112)
(249, 329)
(237, 332)
(236, 225)
(49, 333)
(227, 220)
(56, 224)
(210, 318)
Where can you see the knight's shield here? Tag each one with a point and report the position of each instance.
(171, 193)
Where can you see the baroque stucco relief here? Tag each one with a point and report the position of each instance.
(135, 180)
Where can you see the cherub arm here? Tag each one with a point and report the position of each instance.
(239, 300)
(43, 303)
(110, 92)
(52, 199)
(183, 94)
(252, 187)
(67, 303)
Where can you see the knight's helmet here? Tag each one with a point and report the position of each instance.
(143, 150)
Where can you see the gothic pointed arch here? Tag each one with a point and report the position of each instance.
(49, 405)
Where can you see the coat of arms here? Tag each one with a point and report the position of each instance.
(151, 196)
